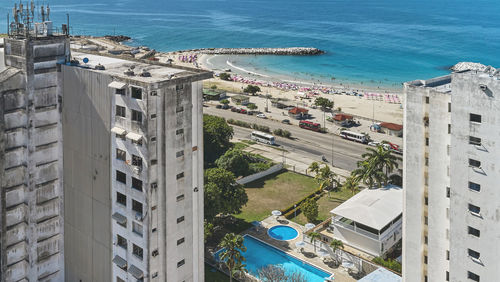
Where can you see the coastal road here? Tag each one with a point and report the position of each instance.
(308, 143)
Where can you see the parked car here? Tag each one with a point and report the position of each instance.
(225, 107)
(218, 106)
(261, 116)
(233, 109)
(250, 113)
(285, 121)
(242, 111)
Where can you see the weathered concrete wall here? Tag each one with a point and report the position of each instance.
(86, 125)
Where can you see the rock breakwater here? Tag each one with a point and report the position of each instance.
(291, 51)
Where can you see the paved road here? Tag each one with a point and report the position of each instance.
(312, 144)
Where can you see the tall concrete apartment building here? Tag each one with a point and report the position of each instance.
(102, 165)
(451, 205)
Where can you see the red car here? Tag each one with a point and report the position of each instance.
(242, 111)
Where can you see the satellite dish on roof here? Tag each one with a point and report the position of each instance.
(85, 60)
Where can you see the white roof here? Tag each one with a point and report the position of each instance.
(381, 274)
(117, 85)
(134, 136)
(373, 207)
(118, 130)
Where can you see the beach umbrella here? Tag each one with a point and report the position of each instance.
(300, 244)
(348, 264)
(276, 213)
(322, 253)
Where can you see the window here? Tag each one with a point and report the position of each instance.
(179, 109)
(472, 276)
(474, 209)
(447, 276)
(179, 87)
(154, 185)
(448, 192)
(118, 279)
(427, 100)
(447, 255)
(138, 143)
(137, 161)
(179, 154)
(120, 91)
(136, 184)
(121, 199)
(154, 253)
(474, 163)
(180, 241)
(137, 228)
(154, 93)
(474, 141)
(180, 198)
(121, 177)
(179, 131)
(121, 242)
(136, 93)
(449, 128)
(136, 116)
(121, 155)
(137, 206)
(121, 111)
(153, 230)
(180, 175)
(137, 251)
(181, 263)
(426, 220)
(426, 161)
(154, 161)
(474, 232)
(180, 219)
(154, 275)
(426, 141)
(425, 259)
(426, 240)
(475, 118)
(449, 107)
(153, 139)
(426, 201)
(474, 186)
(153, 116)
(473, 254)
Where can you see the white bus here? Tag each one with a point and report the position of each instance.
(262, 137)
(354, 136)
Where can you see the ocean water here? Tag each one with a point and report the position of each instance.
(377, 42)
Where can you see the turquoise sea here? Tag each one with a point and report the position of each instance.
(379, 42)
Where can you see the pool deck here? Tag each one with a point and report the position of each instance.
(289, 247)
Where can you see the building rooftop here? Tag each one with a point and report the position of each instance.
(135, 69)
(441, 83)
(381, 274)
(391, 126)
(373, 207)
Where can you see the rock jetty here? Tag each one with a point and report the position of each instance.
(465, 66)
(259, 51)
(117, 38)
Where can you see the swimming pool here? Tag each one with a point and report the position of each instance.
(283, 233)
(260, 254)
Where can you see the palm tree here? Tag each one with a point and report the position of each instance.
(336, 244)
(313, 167)
(313, 236)
(369, 174)
(382, 159)
(351, 183)
(327, 178)
(231, 254)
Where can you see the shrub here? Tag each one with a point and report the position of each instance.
(310, 209)
(389, 263)
(262, 128)
(239, 123)
(224, 101)
(225, 76)
(258, 167)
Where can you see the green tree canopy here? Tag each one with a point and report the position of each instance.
(235, 161)
(252, 89)
(222, 194)
(224, 76)
(351, 183)
(224, 101)
(324, 103)
(310, 209)
(216, 136)
(252, 106)
(313, 236)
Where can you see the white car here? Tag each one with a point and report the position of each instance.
(261, 116)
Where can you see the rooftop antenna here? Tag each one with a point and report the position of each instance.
(42, 10)
(48, 12)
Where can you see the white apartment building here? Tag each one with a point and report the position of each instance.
(153, 129)
(451, 206)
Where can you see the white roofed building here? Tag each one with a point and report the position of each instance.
(371, 220)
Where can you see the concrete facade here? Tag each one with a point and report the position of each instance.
(31, 170)
(437, 221)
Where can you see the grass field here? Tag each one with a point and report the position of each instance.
(214, 276)
(275, 192)
(325, 205)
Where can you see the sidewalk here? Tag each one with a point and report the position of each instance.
(294, 161)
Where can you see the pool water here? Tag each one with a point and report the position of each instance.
(260, 254)
(283, 233)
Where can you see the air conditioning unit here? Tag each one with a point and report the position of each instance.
(136, 169)
(138, 216)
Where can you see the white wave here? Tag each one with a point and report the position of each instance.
(245, 70)
(208, 61)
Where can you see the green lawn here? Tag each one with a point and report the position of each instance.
(275, 192)
(214, 276)
(325, 205)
